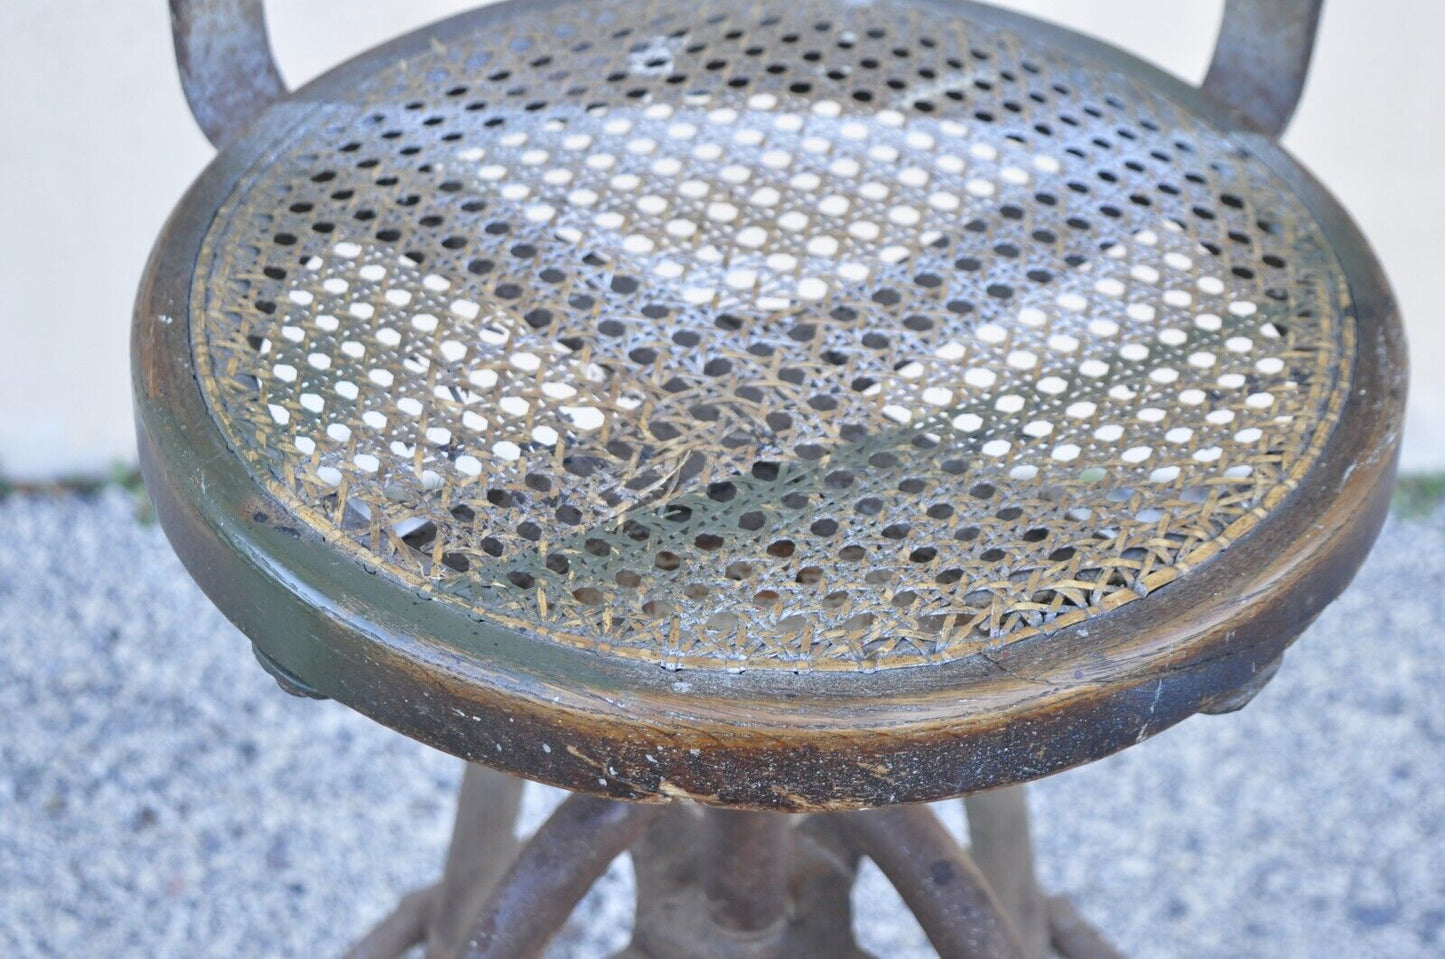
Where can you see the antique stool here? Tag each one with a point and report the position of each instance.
(726, 409)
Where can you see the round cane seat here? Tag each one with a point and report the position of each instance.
(802, 404)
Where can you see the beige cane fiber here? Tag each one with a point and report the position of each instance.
(811, 336)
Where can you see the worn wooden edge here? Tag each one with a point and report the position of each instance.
(762, 739)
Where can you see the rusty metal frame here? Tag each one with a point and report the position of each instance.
(742, 885)
(720, 884)
(940, 884)
(552, 872)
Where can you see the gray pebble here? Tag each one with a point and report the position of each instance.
(160, 797)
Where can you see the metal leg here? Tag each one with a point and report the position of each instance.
(721, 884)
(686, 910)
(1072, 935)
(483, 845)
(551, 873)
(998, 833)
(398, 932)
(748, 855)
(937, 880)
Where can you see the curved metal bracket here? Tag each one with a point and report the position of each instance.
(552, 872)
(227, 69)
(1262, 57)
(938, 881)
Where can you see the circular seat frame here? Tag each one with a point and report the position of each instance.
(767, 739)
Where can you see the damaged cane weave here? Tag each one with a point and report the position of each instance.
(769, 335)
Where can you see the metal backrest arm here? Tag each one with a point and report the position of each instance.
(227, 69)
(1261, 59)
(230, 75)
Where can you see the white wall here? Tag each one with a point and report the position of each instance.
(96, 145)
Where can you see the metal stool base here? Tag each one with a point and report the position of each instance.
(721, 884)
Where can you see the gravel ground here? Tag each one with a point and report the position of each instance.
(160, 797)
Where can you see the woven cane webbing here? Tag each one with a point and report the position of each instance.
(804, 335)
